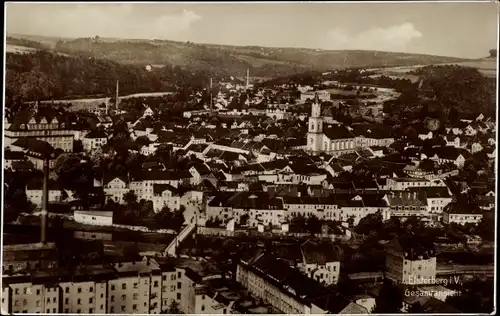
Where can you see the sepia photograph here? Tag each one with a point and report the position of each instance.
(249, 158)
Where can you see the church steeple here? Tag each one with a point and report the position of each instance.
(315, 133)
(316, 107)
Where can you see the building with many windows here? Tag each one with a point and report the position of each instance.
(45, 124)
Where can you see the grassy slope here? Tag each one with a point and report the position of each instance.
(234, 60)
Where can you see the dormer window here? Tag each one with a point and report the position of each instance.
(23, 126)
(62, 125)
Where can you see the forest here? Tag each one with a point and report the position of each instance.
(47, 76)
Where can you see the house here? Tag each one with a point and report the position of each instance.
(34, 191)
(288, 290)
(310, 95)
(462, 212)
(320, 261)
(94, 140)
(94, 218)
(199, 173)
(35, 150)
(11, 157)
(425, 136)
(43, 124)
(148, 112)
(405, 205)
(165, 195)
(142, 182)
(259, 206)
(437, 198)
(453, 141)
(410, 260)
(115, 187)
(470, 130)
(475, 147)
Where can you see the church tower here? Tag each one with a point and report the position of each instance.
(315, 133)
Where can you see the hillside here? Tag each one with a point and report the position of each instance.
(262, 61)
(43, 75)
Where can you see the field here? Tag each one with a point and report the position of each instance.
(348, 92)
(487, 66)
(16, 49)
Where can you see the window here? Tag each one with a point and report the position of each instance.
(78, 311)
(155, 284)
(164, 277)
(91, 300)
(203, 297)
(79, 301)
(202, 307)
(112, 310)
(53, 300)
(38, 292)
(112, 298)
(179, 285)
(134, 307)
(102, 295)
(178, 296)
(135, 296)
(123, 308)
(79, 290)
(102, 306)
(91, 310)
(91, 289)
(53, 310)
(135, 285)
(124, 297)
(179, 274)
(37, 303)
(124, 286)
(112, 287)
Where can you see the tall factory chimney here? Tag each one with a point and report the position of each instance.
(211, 97)
(45, 200)
(248, 77)
(116, 97)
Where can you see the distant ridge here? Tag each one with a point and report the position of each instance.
(267, 62)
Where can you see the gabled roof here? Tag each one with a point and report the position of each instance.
(108, 178)
(202, 169)
(337, 132)
(34, 145)
(319, 252)
(44, 113)
(96, 134)
(158, 189)
(14, 155)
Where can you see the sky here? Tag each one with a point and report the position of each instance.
(460, 29)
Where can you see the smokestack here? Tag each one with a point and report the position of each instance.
(211, 98)
(248, 77)
(116, 97)
(45, 200)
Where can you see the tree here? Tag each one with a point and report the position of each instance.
(370, 223)
(427, 165)
(313, 224)
(173, 308)
(130, 198)
(389, 300)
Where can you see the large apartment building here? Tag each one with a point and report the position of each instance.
(45, 124)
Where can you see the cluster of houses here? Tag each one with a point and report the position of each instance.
(236, 163)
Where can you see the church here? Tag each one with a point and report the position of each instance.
(333, 139)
